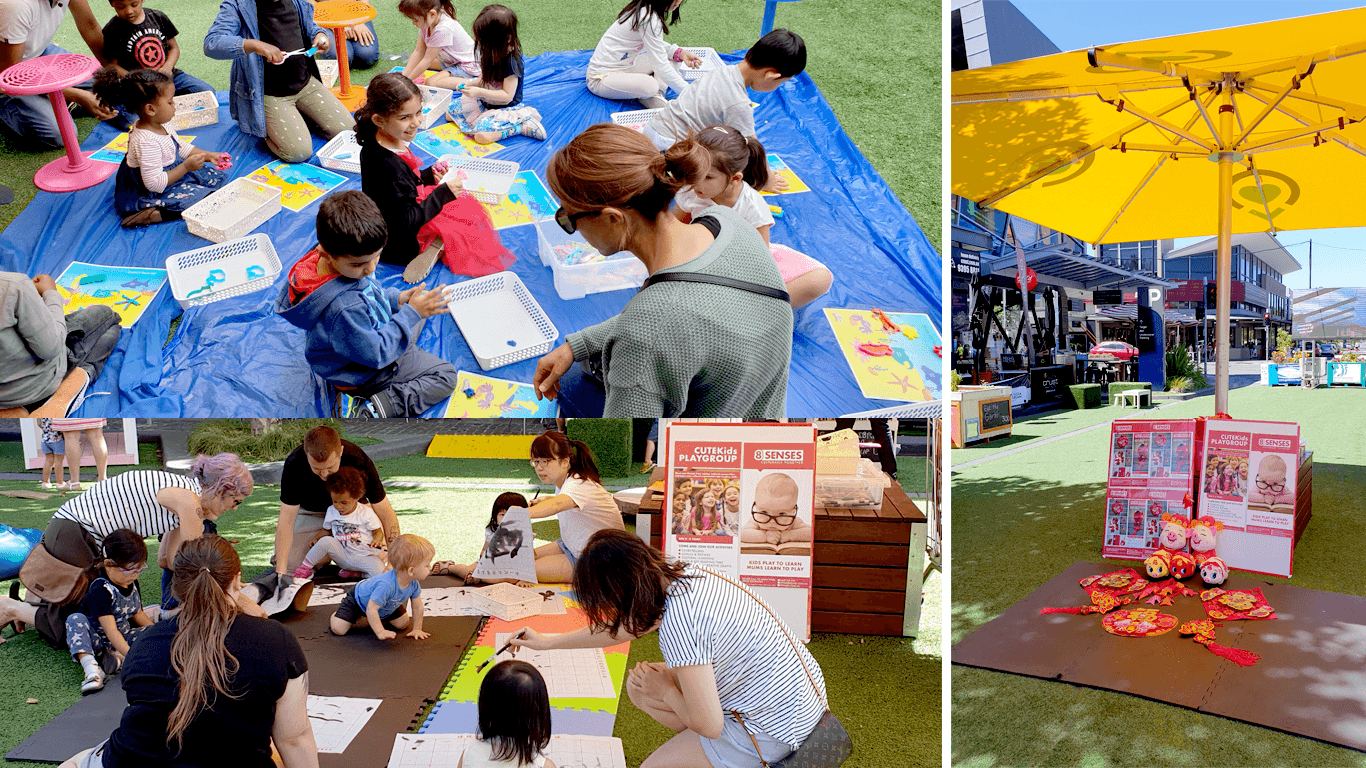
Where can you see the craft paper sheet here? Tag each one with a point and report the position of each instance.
(777, 167)
(739, 501)
(300, 184)
(117, 148)
(443, 750)
(1248, 480)
(890, 366)
(459, 601)
(510, 554)
(496, 398)
(1150, 470)
(126, 290)
(330, 594)
(448, 139)
(528, 201)
(577, 673)
(337, 719)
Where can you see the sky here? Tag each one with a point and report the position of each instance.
(1076, 24)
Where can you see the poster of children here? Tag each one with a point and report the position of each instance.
(741, 504)
(1248, 484)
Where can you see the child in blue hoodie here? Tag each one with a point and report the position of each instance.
(361, 336)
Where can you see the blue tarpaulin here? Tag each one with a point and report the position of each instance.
(236, 358)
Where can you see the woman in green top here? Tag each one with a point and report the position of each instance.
(678, 349)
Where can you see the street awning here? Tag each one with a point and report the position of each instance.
(1085, 271)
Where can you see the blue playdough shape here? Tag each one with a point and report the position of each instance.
(255, 271)
(139, 284)
(932, 378)
(102, 293)
(15, 544)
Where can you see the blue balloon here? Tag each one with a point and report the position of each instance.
(15, 544)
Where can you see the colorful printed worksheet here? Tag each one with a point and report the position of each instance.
(126, 290)
(900, 365)
(527, 202)
(777, 167)
(448, 139)
(117, 148)
(479, 396)
(300, 184)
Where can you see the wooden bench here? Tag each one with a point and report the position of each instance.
(869, 564)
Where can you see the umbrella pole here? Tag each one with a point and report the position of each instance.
(1225, 263)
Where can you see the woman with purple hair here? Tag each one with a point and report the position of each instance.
(175, 508)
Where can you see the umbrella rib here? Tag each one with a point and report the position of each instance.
(1151, 172)
(1267, 109)
(1099, 57)
(1303, 95)
(1301, 119)
(1308, 130)
(1256, 175)
(1043, 94)
(1126, 107)
(1067, 160)
(1328, 54)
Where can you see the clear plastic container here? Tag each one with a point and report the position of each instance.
(579, 269)
(861, 490)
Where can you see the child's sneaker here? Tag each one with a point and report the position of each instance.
(303, 572)
(532, 129)
(45, 485)
(93, 682)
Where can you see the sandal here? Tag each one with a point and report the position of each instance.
(17, 625)
(444, 568)
(647, 467)
(143, 218)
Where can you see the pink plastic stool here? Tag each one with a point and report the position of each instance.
(49, 75)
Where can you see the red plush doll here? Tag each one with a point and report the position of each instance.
(1204, 531)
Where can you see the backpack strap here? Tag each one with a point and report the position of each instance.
(698, 277)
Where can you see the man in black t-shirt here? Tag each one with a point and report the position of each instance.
(304, 498)
(145, 38)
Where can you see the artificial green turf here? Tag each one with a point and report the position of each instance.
(1019, 520)
(885, 87)
(867, 678)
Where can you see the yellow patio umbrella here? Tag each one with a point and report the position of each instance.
(1248, 129)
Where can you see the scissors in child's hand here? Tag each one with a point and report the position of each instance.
(300, 52)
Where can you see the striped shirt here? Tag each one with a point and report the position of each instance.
(710, 621)
(127, 501)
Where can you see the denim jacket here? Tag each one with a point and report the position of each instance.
(236, 23)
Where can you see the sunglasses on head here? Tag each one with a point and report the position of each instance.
(569, 222)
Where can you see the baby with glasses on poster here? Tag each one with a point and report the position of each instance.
(1270, 487)
(773, 517)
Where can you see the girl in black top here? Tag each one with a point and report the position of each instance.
(389, 171)
(211, 686)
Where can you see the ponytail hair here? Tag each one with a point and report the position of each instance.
(222, 474)
(385, 95)
(134, 91)
(204, 571)
(733, 152)
(554, 445)
(124, 547)
(656, 7)
(612, 166)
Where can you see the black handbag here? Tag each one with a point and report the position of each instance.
(829, 744)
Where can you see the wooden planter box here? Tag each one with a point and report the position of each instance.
(869, 564)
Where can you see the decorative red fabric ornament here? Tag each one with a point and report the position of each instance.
(1107, 592)
(1138, 622)
(1235, 604)
(1203, 629)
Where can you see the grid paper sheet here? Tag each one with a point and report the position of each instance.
(443, 750)
(578, 673)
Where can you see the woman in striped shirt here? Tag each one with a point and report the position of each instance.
(724, 653)
(157, 503)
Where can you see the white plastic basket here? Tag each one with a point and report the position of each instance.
(574, 281)
(221, 271)
(710, 61)
(500, 320)
(434, 103)
(342, 153)
(233, 211)
(195, 109)
(636, 119)
(488, 180)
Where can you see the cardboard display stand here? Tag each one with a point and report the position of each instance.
(1303, 684)
(739, 502)
(1248, 481)
(1149, 473)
